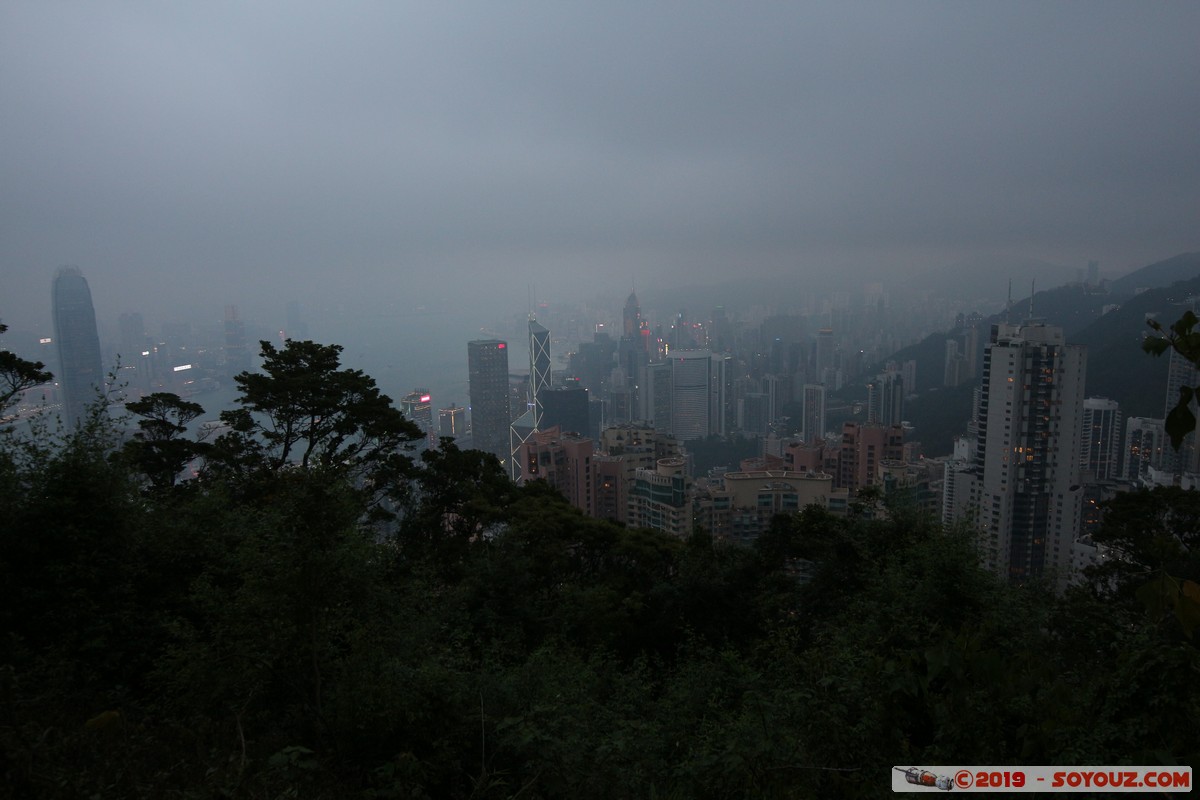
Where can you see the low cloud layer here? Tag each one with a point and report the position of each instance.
(222, 152)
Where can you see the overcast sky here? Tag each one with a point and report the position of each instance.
(209, 152)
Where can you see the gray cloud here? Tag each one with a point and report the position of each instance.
(211, 152)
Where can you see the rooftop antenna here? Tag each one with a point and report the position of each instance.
(531, 306)
(1032, 291)
(1008, 308)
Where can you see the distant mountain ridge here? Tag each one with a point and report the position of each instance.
(988, 277)
(1159, 274)
(1117, 367)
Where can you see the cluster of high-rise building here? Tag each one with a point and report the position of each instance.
(612, 430)
(1039, 457)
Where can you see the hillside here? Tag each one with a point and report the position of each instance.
(1161, 273)
(1117, 367)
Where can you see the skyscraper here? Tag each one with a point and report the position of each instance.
(417, 406)
(863, 449)
(80, 372)
(487, 365)
(1145, 442)
(451, 421)
(1025, 494)
(565, 408)
(540, 375)
(539, 367)
(1101, 443)
(691, 389)
(885, 399)
(633, 350)
(687, 395)
(813, 428)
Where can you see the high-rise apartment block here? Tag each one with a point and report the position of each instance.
(487, 365)
(564, 460)
(81, 374)
(863, 451)
(1023, 493)
(1145, 447)
(660, 498)
(624, 449)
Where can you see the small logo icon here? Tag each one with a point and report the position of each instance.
(923, 777)
(964, 779)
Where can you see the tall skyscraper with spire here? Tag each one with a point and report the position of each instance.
(539, 368)
(530, 422)
(80, 372)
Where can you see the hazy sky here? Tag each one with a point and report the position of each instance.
(211, 152)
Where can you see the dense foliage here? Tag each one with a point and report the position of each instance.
(379, 624)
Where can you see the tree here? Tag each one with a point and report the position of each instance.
(17, 375)
(302, 409)
(158, 449)
(1183, 338)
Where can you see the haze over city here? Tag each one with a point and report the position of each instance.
(395, 155)
(482, 400)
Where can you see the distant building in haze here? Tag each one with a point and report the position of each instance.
(566, 408)
(81, 374)
(487, 366)
(885, 399)
(452, 421)
(698, 394)
(813, 411)
(417, 406)
(237, 357)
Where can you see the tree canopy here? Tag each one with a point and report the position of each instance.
(17, 375)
